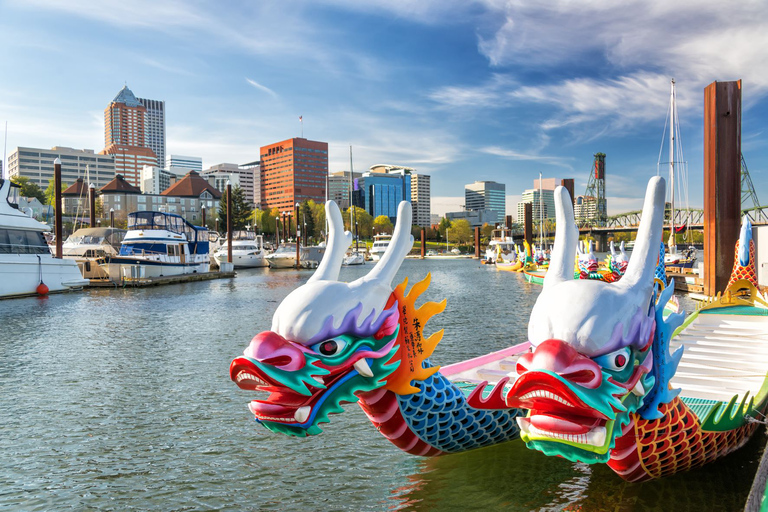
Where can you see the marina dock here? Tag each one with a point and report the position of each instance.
(156, 281)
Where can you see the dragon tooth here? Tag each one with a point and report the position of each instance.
(302, 414)
(319, 380)
(361, 365)
(596, 437)
(639, 390)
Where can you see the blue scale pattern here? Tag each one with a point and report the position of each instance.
(439, 415)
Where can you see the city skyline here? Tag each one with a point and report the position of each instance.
(503, 91)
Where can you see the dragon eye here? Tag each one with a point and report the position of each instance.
(329, 347)
(615, 361)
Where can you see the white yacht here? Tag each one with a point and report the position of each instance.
(159, 244)
(353, 258)
(247, 250)
(501, 247)
(89, 245)
(380, 244)
(285, 256)
(25, 259)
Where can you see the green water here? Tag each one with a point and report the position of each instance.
(121, 400)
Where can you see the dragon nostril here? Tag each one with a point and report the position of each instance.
(277, 360)
(583, 376)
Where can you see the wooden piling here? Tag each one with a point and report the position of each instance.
(722, 181)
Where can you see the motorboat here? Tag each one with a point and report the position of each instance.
(159, 244)
(353, 258)
(380, 244)
(26, 261)
(285, 256)
(501, 246)
(89, 245)
(247, 250)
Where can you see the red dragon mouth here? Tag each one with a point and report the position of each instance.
(556, 411)
(283, 404)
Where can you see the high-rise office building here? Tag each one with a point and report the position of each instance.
(37, 165)
(421, 199)
(125, 136)
(542, 199)
(486, 195)
(339, 187)
(236, 175)
(293, 171)
(154, 127)
(384, 186)
(180, 164)
(254, 170)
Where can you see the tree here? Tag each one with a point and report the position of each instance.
(486, 231)
(364, 223)
(29, 189)
(382, 224)
(444, 224)
(461, 231)
(318, 218)
(50, 192)
(241, 210)
(307, 220)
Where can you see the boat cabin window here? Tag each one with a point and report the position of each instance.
(18, 241)
(173, 250)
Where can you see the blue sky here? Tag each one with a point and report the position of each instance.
(461, 90)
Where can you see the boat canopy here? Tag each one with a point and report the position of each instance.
(168, 221)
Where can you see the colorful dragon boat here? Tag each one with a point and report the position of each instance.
(595, 383)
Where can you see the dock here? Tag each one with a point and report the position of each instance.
(687, 282)
(140, 282)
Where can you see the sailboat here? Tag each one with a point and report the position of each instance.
(673, 259)
(355, 257)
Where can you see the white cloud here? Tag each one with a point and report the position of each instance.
(260, 87)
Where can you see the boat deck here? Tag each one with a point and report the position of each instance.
(726, 354)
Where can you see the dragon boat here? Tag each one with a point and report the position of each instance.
(648, 395)
(605, 377)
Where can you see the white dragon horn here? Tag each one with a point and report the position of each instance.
(613, 250)
(566, 241)
(338, 243)
(400, 245)
(642, 264)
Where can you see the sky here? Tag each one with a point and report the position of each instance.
(460, 90)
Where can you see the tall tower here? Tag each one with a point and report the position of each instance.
(154, 127)
(595, 206)
(125, 136)
(292, 171)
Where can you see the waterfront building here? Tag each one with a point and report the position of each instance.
(125, 136)
(253, 169)
(585, 208)
(383, 187)
(37, 165)
(236, 175)
(476, 218)
(75, 200)
(486, 195)
(180, 164)
(421, 199)
(292, 171)
(339, 187)
(185, 197)
(155, 179)
(154, 127)
(540, 208)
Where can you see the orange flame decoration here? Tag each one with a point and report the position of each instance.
(413, 349)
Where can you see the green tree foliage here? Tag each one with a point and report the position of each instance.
(382, 224)
(318, 219)
(306, 219)
(486, 231)
(362, 218)
(50, 192)
(444, 224)
(241, 210)
(460, 231)
(29, 189)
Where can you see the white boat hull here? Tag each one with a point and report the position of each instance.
(126, 269)
(20, 274)
(243, 260)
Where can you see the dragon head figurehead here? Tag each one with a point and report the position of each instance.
(329, 339)
(619, 260)
(587, 261)
(592, 344)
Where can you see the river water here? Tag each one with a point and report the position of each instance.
(121, 400)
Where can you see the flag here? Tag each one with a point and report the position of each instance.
(301, 118)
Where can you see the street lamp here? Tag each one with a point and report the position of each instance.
(447, 248)
(111, 217)
(202, 210)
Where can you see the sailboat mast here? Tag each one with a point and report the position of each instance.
(541, 214)
(672, 166)
(352, 220)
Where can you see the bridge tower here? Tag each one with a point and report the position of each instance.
(594, 208)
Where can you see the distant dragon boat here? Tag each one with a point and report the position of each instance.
(596, 383)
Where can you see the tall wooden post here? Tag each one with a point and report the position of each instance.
(229, 222)
(722, 181)
(111, 217)
(92, 204)
(528, 223)
(477, 242)
(298, 239)
(202, 209)
(423, 243)
(58, 232)
(568, 184)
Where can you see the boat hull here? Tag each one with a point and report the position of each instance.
(244, 260)
(20, 274)
(119, 268)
